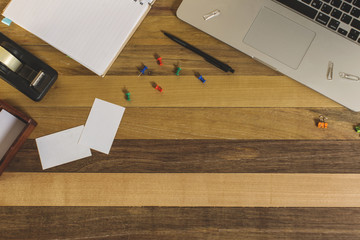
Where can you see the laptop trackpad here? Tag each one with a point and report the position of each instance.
(279, 38)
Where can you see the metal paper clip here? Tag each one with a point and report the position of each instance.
(211, 15)
(349, 76)
(330, 71)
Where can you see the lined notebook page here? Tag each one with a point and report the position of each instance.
(91, 32)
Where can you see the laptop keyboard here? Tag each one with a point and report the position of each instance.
(341, 16)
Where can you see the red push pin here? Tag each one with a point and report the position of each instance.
(159, 60)
(159, 88)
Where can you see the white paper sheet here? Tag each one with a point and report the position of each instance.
(101, 126)
(62, 147)
(10, 129)
(91, 32)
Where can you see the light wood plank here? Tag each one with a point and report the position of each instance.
(208, 123)
(213, 190)
(233, 91)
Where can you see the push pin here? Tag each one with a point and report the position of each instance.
(157, 87)
(357, 128)
(202, 79)
(322, 122)
(159, 60)
(127, 96)
(178, 70)
(142, 72)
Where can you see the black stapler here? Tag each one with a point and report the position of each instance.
(24, 71)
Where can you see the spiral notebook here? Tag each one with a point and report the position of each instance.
(92, 32)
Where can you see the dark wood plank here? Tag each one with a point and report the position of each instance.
(207, 156)
(178, 223)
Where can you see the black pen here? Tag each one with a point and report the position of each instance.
(207, 57)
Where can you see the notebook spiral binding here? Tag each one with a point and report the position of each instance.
(150, 2)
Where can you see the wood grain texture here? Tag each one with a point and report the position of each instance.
(164, 223)
(185, 91)
(183, 190)
(207, 156)
(209, 123)
(247, 139)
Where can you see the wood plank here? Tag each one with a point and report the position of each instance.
(181, 190)
(208, 123)
(142, 47)
(155, 223)
(233, 91)
(133, 56)
(207, 156)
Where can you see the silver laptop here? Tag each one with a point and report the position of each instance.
(316, 42)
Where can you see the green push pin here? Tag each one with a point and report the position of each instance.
(127, 96)
(357, 129)
(178, 71)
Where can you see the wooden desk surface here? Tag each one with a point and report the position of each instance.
(239, 157)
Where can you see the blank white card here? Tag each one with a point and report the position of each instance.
(101, 126)
(62, 147)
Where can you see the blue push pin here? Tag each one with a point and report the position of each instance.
(143, 70)
(201, 79)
